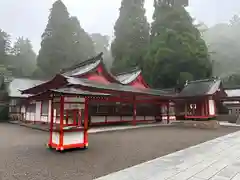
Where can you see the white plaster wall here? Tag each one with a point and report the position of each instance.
(30, 116)
(23, 111)
(150, 118)
(140, 118)
(113, 118)
(55, 137)
(38, 111)
(97, 119)
(73, 138)
(170, 117)
(44, 119)
(211, 107)
(49, 110)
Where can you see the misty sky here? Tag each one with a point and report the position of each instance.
(28, 18)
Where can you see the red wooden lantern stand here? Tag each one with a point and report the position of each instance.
(66, 133)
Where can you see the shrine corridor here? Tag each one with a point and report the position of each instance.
(23, 154)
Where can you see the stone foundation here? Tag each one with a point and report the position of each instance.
(211, 124)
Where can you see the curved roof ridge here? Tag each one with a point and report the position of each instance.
(83, 63)
(203, 80)
(128, 71)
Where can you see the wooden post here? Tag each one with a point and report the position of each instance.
(186, 109)
(79, 117)
(74, 117)
(168, 118)
(207, 107)
(61, 120)
(86, 106)
(51, 123)
(67, 118)
(134, 111)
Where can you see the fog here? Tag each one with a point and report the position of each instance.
(28, 18)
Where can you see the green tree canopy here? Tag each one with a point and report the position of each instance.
(177, 51)
(82, 44)
(24, 58)
(5, 46)
(64, 42)
(131, 35)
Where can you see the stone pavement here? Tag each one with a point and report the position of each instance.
(218, 159)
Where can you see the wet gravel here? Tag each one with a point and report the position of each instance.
(23, 155)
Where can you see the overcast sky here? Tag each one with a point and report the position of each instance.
(28, 18)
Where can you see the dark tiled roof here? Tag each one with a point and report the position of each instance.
(83, 67)
(70, 90)
(200, 88)
(127, 71)
(18, 84)
(128, 77)
(116, 87)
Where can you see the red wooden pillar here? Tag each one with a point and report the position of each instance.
(74, 117)
(41, 106)
(168, 117)
(25, 113)
(202, 109)
(134, 111)
(79, 117)
(61, 121)
(67, 118)
(86, 106)
(51, 123)
(207, 107)
(215, 106)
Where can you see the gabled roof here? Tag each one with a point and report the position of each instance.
(18, 84)
(233, 92)
(74, 91)
(201, 88)
(87, 66)
(61, 81)
(128, 76)
(83, 67)
(113, 87)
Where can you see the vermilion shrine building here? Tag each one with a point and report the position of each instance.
(199, 99)
(101, 110)
(89, 94)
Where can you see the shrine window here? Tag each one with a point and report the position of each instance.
(31, 108)
(45, 107)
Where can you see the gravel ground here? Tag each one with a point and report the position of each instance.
(23, 155)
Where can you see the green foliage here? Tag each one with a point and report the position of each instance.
(64, 42)
(177, 51)
(131, 35)
(101, 44)
(82, 44)
(24, 58)
(5, 46)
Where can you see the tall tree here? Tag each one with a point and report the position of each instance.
(5, 46)
(82, 44)
(131, 35)
(56, 40)
(101, 44)
(64, 42)
(177, 51)
(24, 59)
